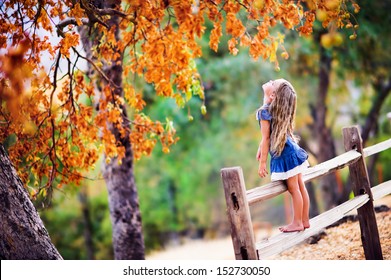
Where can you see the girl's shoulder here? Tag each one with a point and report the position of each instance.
(263, 113)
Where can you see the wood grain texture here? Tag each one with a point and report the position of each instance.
(238, 213)
(361, 185)
(377, 148)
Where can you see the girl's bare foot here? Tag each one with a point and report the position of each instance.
(306, 224)
(292, 227)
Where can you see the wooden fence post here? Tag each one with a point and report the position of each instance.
(360, 185)
(238, 212)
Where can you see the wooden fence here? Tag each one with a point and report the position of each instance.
(239, 200)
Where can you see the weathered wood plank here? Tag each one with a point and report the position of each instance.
(238, 213)
(331, 165)
(377, 148)
(360, 185)
(381, 190)
(283, 241)
(275, 188)
(264, 192)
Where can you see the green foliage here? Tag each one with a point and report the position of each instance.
(65, 224)
(368, 55)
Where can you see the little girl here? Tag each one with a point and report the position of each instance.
(276, 118)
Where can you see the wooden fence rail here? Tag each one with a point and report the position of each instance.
(239, 199)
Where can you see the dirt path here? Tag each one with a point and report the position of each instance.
(339, 243)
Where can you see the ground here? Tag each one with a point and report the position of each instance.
(341, 242)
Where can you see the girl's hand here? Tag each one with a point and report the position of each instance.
(262, 171)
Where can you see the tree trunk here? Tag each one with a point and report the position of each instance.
(22, 233)
(125, 215)
(88, 230)
(314, 209)
(322, 132)
(172, 197)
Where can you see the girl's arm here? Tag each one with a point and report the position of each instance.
(263, 148)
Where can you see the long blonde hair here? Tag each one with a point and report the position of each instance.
(283, 111)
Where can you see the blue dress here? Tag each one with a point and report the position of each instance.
(293, 159)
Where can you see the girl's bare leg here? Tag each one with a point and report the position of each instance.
(306, 202)
(297, 201)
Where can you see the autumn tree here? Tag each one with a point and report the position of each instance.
(47, 119)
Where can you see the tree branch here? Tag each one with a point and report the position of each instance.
(91, 14)
(114, 12)
(69, 21)
(97, 68)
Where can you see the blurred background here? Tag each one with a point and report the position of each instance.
(339, 82)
